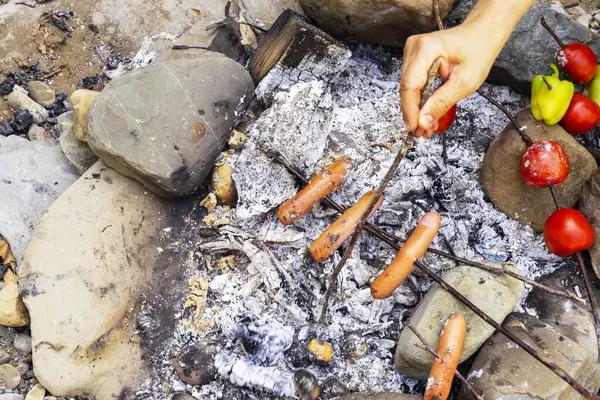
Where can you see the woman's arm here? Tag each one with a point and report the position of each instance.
(468, 51)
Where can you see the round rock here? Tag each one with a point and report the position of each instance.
(9, 377)
(22, 344)
(41, 93)
(388, 22)
(195, 364)
(4, 357)
(501, 179)
(166, 124)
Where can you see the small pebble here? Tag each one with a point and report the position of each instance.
(50, 398)
(19, 101)
(4, 357)
(321, 350)
(41, 93)
(20, 89)
(9, 377)
(36, 133)
(7, 334)
(307, 386)
(36, 393)
(11, 396)
(22, 344)
(23, 368)
(182, 396)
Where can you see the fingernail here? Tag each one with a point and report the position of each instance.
(425, 121)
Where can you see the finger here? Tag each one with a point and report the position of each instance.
(414, 77)
(442, 99)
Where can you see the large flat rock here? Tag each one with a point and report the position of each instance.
(32, 176)
(102, 258)
(501, 179)
(165, 125)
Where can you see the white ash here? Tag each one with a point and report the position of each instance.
(146, 55)
(361, 119)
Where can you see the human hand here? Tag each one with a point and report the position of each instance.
(467, 53)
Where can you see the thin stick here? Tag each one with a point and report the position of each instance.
(554, 197)
(386, 239)
(391, 238)
(53, 73)
(551, 31)
(440, 24)
(591, 296)
(457, 373)
(438, 16)
(407, 145)
(445, 149)
(521, 129)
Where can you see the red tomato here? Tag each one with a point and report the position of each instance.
(567, 232)
(582, 115)
(544, 162)
(446, 121)
(579, 61)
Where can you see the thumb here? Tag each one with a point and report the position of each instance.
(441, 101)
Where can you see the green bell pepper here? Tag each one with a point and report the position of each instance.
(594, 87)
(550, 97)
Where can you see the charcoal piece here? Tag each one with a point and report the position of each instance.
(90, 81)
(6, 129)
(112, 62)
(60, 106)
(6, 87)
(264, 341)
(22, 121)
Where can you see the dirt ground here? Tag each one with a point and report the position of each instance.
(100, 28)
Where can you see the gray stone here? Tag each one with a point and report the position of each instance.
(500, 296)
(166, 124)
(36, 393)
(110, 234)
(590, 207)
(9, 377)
(502, 370)
(4, 357)
(36, 132)
(501, 180)
(20, 101)
(264, 13)
(530, 49)
(20, 89)
(11, 396)
(22, 344)
(77, 152)
(301, 140)
(42, 93)
(384, 22)
(33, 175)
